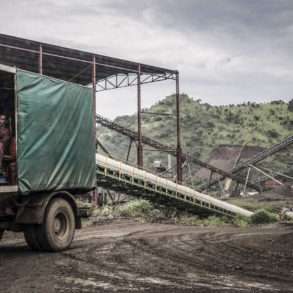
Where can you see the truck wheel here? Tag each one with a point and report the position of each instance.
(31, 237)
(57, 231)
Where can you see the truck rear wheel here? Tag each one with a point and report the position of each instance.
(57, 231)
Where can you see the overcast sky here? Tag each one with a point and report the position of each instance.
(227, 51)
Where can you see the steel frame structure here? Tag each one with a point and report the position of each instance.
(102, 72)
(123, 80)
(257, 158)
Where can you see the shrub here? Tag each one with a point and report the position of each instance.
(136, 208)
(215, 221)
(241, 221)
(273, 133)
(155, 215)
(105, 211)
(290, 106)
(210, 124)
(196, 221)
(263, 217)
(277, 102)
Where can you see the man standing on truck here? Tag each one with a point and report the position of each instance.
(4, 138)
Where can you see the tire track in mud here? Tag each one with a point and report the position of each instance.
(211, 257)
(210, 253)
(120, 260)
(165, 258)
(229, 256)
(184, 260)
(125, 273)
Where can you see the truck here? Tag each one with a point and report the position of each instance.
(50, 157)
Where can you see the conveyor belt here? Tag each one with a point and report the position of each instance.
(169, 149)
(121, 177)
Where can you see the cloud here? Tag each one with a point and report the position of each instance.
(226, 50)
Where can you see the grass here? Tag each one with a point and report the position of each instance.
(139, 208)
(145, 211)
(241, 222)
(208, 221)
(253, 204)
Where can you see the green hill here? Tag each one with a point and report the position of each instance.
(204, 127)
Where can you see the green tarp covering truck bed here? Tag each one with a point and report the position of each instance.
(55, 134)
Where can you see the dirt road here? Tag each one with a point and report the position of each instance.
(127, 256)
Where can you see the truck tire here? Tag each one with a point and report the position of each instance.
(57, 230)
(31, 237)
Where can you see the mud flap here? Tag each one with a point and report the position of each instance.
(33, 211)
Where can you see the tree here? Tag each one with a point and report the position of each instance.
(290, 106)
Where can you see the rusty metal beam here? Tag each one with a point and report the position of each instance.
(98, 142)
(94, 91)
(178, 130)
(139, 131)
(64, 63)
(129, 149)
(128, 80)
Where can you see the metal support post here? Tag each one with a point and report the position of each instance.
(178, 150)
(139, 133)
(210, 179)
(94, 83)
(129, 149)
(267, 175)
(246, 181)
(41, 59)
(99, 144)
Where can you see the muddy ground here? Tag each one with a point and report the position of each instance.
(127, 256)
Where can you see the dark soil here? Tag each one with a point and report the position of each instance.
(127, 256)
